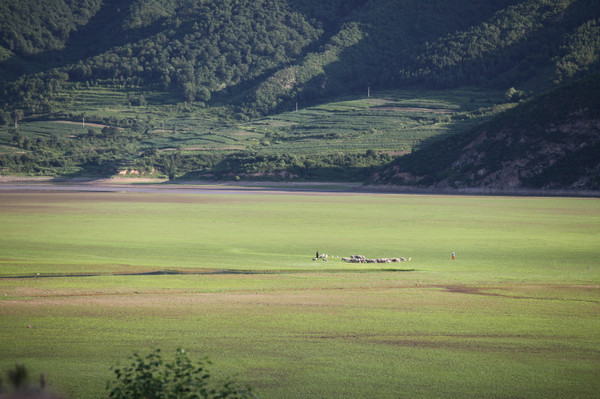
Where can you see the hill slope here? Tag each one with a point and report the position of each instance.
(552, 141)
(262, 55)
(184, 75)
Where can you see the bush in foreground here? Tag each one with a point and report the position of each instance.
(151, 377)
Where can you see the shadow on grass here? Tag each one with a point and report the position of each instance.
(211, 272)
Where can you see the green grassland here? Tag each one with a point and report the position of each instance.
(515, 315)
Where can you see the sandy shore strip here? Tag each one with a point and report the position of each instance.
(140, 184)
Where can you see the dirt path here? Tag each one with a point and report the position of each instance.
(86, 124)
(414, 109)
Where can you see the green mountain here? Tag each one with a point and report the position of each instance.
(195, 67)
(552, 141)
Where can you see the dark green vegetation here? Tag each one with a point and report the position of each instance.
(187, 83)
(153, 377)
(551, 142)
(150, 376)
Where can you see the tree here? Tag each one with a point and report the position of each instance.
(514, 95)
(151, 377)
(189, 91)
(203, 94)
(17, 138)
(110, 131)
(4, 118)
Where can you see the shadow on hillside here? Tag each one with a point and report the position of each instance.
(88, 173)
(105, 30)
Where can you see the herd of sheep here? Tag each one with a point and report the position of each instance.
(363, 259)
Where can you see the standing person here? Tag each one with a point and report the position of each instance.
(317, 254)
(453, 256)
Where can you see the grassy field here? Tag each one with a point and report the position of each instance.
(515, 315)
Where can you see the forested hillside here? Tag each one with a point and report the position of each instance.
(257, 55)
(238, 60)
(30, 26)
(552, 141)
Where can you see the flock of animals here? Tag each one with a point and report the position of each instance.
(362, 259)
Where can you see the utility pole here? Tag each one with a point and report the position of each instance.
(18, 114)
(368, 91)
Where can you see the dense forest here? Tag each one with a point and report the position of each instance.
(259, 54)
(259, 57)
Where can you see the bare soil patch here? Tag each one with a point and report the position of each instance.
(494, 292)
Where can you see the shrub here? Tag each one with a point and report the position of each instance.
(153, 378)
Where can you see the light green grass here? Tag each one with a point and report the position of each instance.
(515, 315)
(512, 237)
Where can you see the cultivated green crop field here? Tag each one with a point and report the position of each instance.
(396, 121)
(516, 315)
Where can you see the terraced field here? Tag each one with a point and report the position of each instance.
(394, 122)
